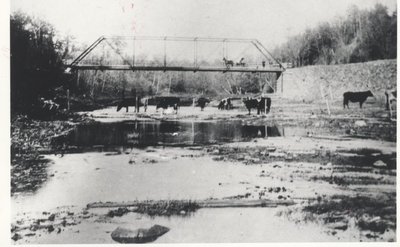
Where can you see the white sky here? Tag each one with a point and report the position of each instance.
(270, 21)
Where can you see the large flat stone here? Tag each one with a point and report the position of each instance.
(141, 235)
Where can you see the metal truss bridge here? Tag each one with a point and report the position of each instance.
(147, 53)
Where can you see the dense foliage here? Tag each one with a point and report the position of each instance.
(362, 35)
(36, 62)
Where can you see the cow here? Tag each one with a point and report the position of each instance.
(250, 103)
(228, 63)
(258, 104)
(221, 104)
(225, 104)
(360, 97)
(262, 103)
(202, 102)
(165, 102)
(391, 97)
(130, 102)
(145, 102)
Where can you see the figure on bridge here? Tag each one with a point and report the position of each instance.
(228, 63)
(241, 62)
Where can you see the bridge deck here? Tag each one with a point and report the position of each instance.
(179, 68)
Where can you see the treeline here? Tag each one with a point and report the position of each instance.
(37, 55)
(360, 36)
(98, 85)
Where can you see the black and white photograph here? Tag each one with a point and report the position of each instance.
(199, 121)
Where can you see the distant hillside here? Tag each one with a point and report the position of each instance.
(360, 35)
(304, 83)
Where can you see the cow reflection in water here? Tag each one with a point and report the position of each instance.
(179, 133)
(251, 131)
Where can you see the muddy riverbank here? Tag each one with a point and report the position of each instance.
(30, 140)
(339, 172)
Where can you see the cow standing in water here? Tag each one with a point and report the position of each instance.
(135, 101)
(165, 102)
(202, 102)
(145, 102)
(225, 104)
(221, 105)
(250, 104)
(360, 97)
(258, 104)
(130, 102)
(264, 105)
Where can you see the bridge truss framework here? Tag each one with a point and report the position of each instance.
(270, 64)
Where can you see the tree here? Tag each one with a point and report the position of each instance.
(36, 61)
(361, 35)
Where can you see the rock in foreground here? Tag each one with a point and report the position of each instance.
(124, 235)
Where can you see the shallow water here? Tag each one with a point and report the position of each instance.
(167, 133)
(88, 177)
(164, 173)
(146, 165)
(176, 173)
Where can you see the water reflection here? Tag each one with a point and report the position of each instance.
(167, 133)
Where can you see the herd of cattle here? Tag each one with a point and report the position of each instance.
(261, 104)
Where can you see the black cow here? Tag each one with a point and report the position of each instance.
(129, 102)
(165, 102)
(225, 104)
(360, 97)
(221, 105)
(264, 102)
(202, 102)
(250, 104)
(258, 104)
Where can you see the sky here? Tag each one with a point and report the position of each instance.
(269, 21)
